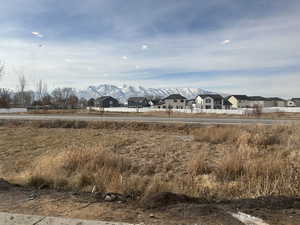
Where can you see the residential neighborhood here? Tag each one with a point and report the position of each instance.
(66, 98)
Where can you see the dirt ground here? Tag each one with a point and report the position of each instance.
(15, 199)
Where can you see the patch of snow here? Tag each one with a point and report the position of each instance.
(127, 91)
(247, 219)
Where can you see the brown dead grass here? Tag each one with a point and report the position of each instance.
(275, 115)
(216, 162)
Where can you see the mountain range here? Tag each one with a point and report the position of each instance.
(126, 91)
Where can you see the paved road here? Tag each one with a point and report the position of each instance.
(149, 119)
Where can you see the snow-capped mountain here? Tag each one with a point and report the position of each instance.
(124, 92)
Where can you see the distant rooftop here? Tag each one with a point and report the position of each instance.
(175, 96)
(213, 96)
(240, 97)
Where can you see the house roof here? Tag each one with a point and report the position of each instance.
(191, 100)
(295, 99)
(155, 101)
(137, 99)
(276, 99)
(102, 98)
(213, 96)
(175, 96)
(257, 98)
(239, 97)
(226, 102)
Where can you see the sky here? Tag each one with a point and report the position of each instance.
(229, 46)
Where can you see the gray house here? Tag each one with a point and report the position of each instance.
(106, 102)
(138, 102)
(259, 101)
(278, 102)
(296, 101)
(174, 101)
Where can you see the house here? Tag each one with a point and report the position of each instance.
(138, 102)
(227, 104)
(91, 102)
(155, 102)
(191, 103)
(278, 102)
(174, 101)
(238, 101)
(290, 103)
(254, 101)
(212, 101)
(106, 102)
(296, 101)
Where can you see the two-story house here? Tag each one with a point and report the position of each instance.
(174, 101)
(212, 101)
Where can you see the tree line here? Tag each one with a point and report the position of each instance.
(64, 97)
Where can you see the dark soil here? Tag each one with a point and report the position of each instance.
(159, 208)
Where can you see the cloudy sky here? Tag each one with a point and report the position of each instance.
(231, 46)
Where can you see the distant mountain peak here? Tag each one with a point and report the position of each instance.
(126, 91)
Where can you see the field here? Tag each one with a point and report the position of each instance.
(274, 115)
(212, 163)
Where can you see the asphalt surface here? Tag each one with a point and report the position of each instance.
(149, 119)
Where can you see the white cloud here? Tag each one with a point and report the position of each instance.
(124, 57)
(145, 47)
(226, 42)
(37, 34)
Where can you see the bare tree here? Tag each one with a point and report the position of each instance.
(257, 110)
(67, 93)
(5, 98)
(61, 96)
(41, 90)
(169, 111)
(21, 87)
(1, 69)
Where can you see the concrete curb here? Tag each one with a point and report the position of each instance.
(19, 219)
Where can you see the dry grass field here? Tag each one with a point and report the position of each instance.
(275, 115)
(211, 162)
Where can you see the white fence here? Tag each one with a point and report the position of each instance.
(13, 110)
(281, 109)
(242, 111)
(195, 110)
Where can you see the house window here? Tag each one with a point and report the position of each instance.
(208, 107)
(181, 100)
(176, 107)
(164, 106)
(175, 100)
(208, 100)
